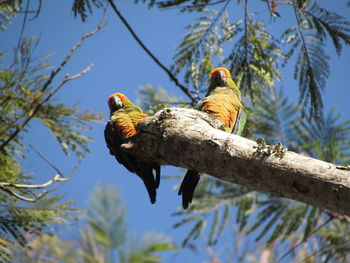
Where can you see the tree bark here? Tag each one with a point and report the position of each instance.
(191, 139)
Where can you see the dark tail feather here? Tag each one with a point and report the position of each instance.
(157, 168)
(188, 186)
(150, 184)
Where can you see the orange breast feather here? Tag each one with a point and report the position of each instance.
(224, 111)
(126, 125)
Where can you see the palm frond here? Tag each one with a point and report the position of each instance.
(106, 234)
(254, 59)
(20, 89)
(8, 9)
(312, 64)
(327, 141)
(20, 222)
(329, 23)
(214, 200)
(278, 218)
(335, 242)
(84, 7)
(152, 100)
(272, 117)
(199, 47)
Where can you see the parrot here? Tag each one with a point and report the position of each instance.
(223, 101)
(124, 118)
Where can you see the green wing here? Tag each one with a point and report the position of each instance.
(240, 122)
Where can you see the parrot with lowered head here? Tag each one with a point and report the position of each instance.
(223, 101)
(124, 118)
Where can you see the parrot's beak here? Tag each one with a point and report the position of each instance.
(115, 103)
(220, 78)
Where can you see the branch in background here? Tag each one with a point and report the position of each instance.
(23, 26)
(37, 12)
(311, 78)
(6, 187)
(238, 160)
(46, 160)
(38, 102)
(59, 177)
(155, 59)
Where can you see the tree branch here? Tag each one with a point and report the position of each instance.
(186, 138)
(6, 187)
(155, 59)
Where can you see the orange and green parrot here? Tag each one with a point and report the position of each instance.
(223, 101)
(122, 125)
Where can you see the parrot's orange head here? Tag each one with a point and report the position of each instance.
(115, 101)
(219, 76)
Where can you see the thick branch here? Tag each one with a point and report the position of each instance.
(186, 138)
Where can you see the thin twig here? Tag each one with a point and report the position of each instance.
(59, 177)
(23, 26)
(37, 103)
(46, 160)
(197, 5)
(75, 168)
(37, 12)
(301, 34)
(269, 7)
(155, 59)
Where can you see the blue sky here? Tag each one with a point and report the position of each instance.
(120, 65)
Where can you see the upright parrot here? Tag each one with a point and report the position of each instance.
(223, 101)
(122, 125)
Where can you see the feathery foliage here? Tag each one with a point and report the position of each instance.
(215, 200)
(255, 57)
(311, 70)
(329, 23)
(48, 248)
(8, 10)
(152, 100)
(271, 218)
(84, 7)
(254, 53)
(104, 239)
(106, 235)
(195, 53)
(24, 86)
(334, 242)
(26, 92)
